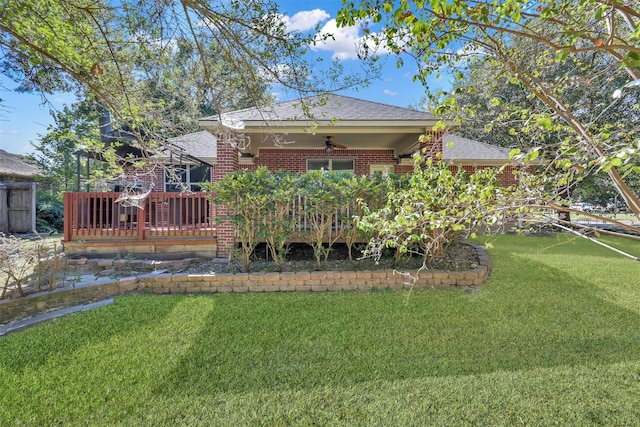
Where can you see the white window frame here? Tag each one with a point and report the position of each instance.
(193, 186)
(330, 160)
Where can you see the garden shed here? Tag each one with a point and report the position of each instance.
(17, 194)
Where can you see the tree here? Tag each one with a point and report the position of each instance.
(495, 109)
(56, 151)
(439, 33)
(140, 60)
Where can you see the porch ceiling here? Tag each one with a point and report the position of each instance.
(402, 143)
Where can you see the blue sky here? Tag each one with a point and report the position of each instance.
(23, 117)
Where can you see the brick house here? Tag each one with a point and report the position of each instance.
(348, 134)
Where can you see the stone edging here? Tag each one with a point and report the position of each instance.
(317, 281)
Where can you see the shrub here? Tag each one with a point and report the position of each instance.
(276, 225)
(49, 213)
(324, 206)
(245, 195)
(319, 208)
(436, 207)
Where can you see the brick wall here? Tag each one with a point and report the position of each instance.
(432, 144)
(295, 160)
(146, 175)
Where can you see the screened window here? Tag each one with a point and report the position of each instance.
(338, 165)
(189, 177)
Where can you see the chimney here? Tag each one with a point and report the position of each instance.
(105, 125)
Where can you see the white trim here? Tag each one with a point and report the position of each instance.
(330, 160)
(188, 181)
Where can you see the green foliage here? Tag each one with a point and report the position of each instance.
(75, 128)
(324, 205)
(49, 212)
(318, 208)
(435, 208)
(246, 197)
(536, 75)
(277, 223)
(357, 190)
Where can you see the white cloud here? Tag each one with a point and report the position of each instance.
(390, 92)
(9, 131)
(305, 20)
(345, 42)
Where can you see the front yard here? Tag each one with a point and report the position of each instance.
(552, 338)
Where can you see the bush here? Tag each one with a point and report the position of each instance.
(435, 208)
(49, 213)
(318, 208)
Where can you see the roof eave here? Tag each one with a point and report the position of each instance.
(340, 126)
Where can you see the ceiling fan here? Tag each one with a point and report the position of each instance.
(330, 145)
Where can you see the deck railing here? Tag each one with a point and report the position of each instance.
(162, 215)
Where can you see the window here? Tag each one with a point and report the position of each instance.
(189, 177)
(338, 165)
(385, 170)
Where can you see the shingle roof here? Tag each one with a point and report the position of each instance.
(202, 145)
(326, 107)
(13, 165)
(458, 148)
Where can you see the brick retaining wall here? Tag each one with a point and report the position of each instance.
(316, 281)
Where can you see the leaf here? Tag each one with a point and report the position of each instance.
(544, 123)
(562, 55)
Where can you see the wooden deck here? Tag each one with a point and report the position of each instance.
(97, 223)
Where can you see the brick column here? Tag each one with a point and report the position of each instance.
(227, 162)
(431, 143)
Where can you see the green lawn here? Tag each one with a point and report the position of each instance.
(553, 338)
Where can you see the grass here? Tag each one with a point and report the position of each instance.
(553, 338)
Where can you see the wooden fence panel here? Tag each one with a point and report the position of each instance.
(18, 207)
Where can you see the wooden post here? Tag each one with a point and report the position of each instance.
(141, 221)
(67, 217)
